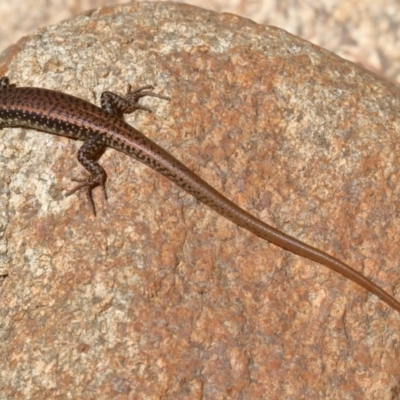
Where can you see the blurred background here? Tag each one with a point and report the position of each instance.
(364, 31)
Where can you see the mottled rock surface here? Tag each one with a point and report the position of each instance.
(159, 297)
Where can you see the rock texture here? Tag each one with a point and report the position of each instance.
(364, 31)
(159, 297)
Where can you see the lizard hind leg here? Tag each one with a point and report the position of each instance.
(118, 105)
(5, 83)
(87, 157)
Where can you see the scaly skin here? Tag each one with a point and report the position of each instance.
(66, 115)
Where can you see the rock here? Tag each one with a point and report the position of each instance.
(158, 296)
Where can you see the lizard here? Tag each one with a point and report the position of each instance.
(100, 127)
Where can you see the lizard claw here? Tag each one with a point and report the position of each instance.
(87, 184)
(134, 95)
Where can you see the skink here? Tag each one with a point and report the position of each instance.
(56, 112)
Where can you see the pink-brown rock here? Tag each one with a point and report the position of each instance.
(158, 296)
